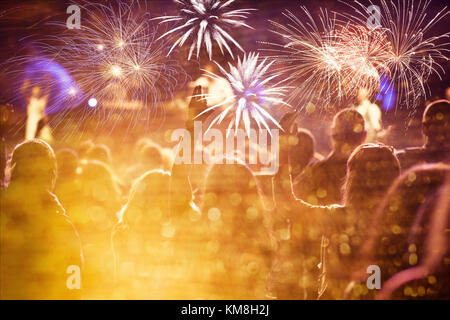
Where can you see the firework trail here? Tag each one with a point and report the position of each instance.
(253, 94)
(414, 56)
(203, 21)
(328, 60)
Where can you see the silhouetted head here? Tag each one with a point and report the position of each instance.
(302, 152)
(67, 160)
(436, 123)
(371, 169)
(348, 130)
(99, 152)
(33, 163)
(151, 157)
(100, 194)
(236, 217)
(231, 195)
(148, 200)
(84, 148)
(98, 178)
(141, 143)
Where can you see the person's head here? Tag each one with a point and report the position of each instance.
(84, 147)
(67, 160)
(303, 150)
(151, 157)
(347, 131)
(416, 206)
(99, 152)
(98, 182)
(371, 169)
(141, 143)
(33, 163)
(232, 195)
(99, 195)
(233, 208)
(148, 200)
(436, 123)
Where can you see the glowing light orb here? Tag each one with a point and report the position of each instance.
(72, 91)
(92, 102)
(116, 71)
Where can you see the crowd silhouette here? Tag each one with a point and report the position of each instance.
(222, 231)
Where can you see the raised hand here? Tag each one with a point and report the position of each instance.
(196, 106)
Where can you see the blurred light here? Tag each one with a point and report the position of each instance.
(116, 71)
(72, 91)
(387, 93)
(92, 102)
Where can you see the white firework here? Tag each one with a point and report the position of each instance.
(253, 95)
(205, 21)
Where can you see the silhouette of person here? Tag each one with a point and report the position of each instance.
(95, 214)
(324, 241)
(321, 182)
(141, 240)
(187, 180)
(38, 241)
(302, 151)
(67, 187)
(150, 156)
(436, 129)
(241, 246)
(399, 236)
(429, 279)
(99, 152)
(371, 113)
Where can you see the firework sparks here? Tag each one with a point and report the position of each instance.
(329, 60)
(363, 55)
(253, 95)
(414, 56)
(116, 58)
(205, 21)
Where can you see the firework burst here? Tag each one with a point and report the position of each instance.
(414, 55)
(363, 58)
(116, 58)
(253, 94)
(203, 21)
(327, 61)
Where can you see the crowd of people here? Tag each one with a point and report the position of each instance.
(162, 230)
